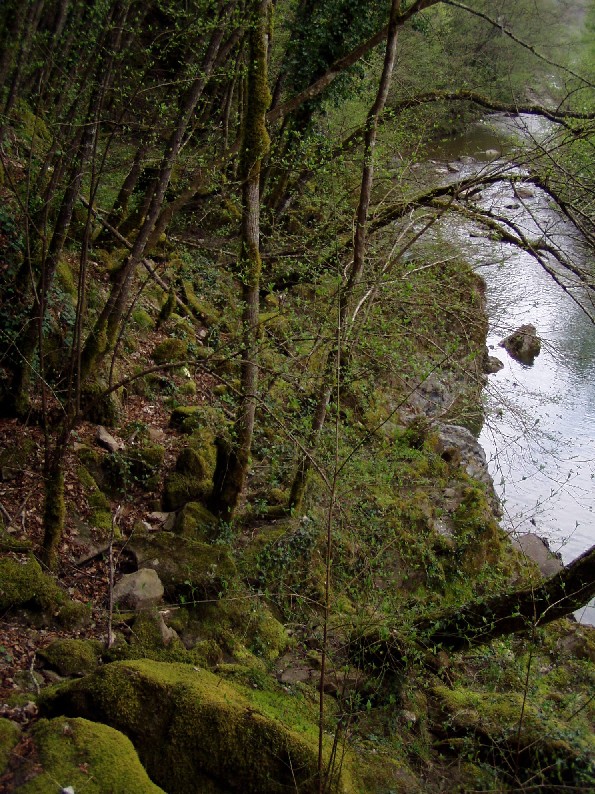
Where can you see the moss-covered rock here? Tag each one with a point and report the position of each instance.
(200, 308)
(170, 350)
(189, 418)
(71, 656)
(101, 512)
(87, 757)
(98, 407)
(196, 732)
(186, 567)
(195, 467)
(242, 626)
(196, 522)
(23, 585)
(143, 319)
(9, 737)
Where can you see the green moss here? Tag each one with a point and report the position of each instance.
(187, 568)
(101, 515)
(65, 279)
(513, 724)
(142, 319)
(195, 468)
(241, 623)
(195, 521)
(196, 732)
(100, 408)
(88, 757)
(72, 657)
(170, 350)
(9, 737)
(190, 418)
(201, 309)
(25, 585)
(188, 388)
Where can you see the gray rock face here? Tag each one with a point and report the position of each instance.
(537, 549)
(140, 590)
(523, 345)
(459, 445)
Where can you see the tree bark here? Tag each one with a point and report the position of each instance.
(255, 146)
(511, 613)
(480, 622)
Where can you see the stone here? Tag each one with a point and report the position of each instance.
(84, 756)
(524, 193)
(512, 205)
(538, 550)
(523, 345)
(492, 365)
(140, 590)
(492, 154)
(196, 731)
(107, 441)
(453, 169)
(185, 567)
(195, 521)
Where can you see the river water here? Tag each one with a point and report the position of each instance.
(539, 430)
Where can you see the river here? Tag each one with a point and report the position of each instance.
(538, 433)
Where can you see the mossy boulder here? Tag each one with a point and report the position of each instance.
(170, 350)
(242, 626)
(99, 407)
(101, 512)
(186, 567)
(9, 737)
(85, 756)
(196, 522)
(199, 307)
(143, 319)
(70, 657)
(187, 418)
(192, 479)
(195, 731)
(24, 586)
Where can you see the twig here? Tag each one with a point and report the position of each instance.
(110, 614)
(32, 674)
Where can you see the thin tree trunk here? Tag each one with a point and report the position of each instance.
(298, 487)
(255, 146)
(105, 331)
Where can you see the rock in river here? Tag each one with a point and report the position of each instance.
(523, 345)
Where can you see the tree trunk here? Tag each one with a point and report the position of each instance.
(54, 511)
(298, 487)
(105, 331)
(255, 145)
(480, 622)
(510, 613)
